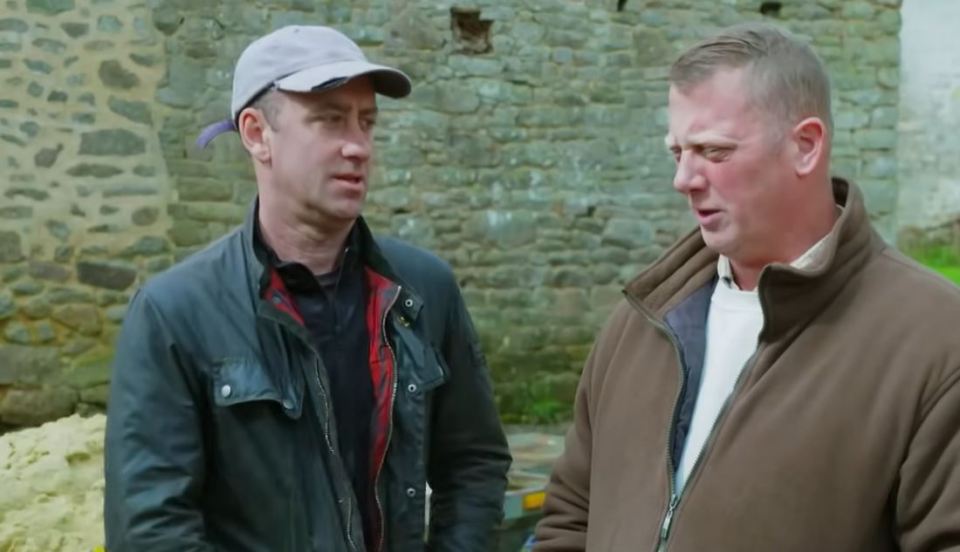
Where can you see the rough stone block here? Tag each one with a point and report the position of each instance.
(46, 157)
(31, 193)
(58, 229)
(54, 47)
(106, 275)
(876, 139)
(28, 365)
(97, 395)
(144, 171)
(11, 247)
(113, 75)
(16, 212)
(37, 308)
(628, 233)
(9, 24)
(75, 30)
(207, 212)
(34, 90)
(7, 306)
(145, 216)
(43, 270)
(17, 332)
(138, 112)
(115, 313)
(147, 246)
(29, 407)
(49, 7)
(206, 189)
(12, 273)
(26, 288)
(38, 66)
(129, 190)
(89, 369)
(94, 170)
(159, 264)
(84, 319)
(108, 24)
(78, 345)
(118, 142)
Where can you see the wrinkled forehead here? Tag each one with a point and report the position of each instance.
(719, 107)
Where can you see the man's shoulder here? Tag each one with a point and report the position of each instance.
(915, 300)
(212, 265)
(415, 264)
(916, 281)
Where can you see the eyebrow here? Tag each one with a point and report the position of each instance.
(341, 108)
(700, 140)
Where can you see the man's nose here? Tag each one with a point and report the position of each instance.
(358, 144)
(687, 177)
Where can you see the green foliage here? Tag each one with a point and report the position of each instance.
(951, 273)
(548, 410)
(942, 259)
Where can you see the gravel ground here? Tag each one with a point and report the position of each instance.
(51, 482)
(51, 487)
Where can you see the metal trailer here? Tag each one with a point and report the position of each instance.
(533, 457)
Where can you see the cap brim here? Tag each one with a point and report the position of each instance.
(386, 80)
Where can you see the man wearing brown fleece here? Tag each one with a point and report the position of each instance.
(780, 379)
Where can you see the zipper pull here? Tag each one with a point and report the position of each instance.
(667, 521)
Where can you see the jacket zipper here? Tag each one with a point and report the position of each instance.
(667, 521)
(326, 437)
(393, 396)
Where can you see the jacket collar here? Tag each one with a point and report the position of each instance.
(789, 295)
(260, 274)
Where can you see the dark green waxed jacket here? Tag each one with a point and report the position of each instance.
(220, 432)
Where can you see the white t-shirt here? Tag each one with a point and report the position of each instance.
(734, 322)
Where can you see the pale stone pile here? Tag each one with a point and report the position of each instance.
(51, 487)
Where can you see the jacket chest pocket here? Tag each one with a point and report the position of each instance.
(433, 373)
(243, 389)
(418, 389)
(252, 446)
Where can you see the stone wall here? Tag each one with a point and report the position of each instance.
(530, 156)
(929, 153)
(84, 193)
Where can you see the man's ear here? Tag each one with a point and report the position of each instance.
(810, 145)
(255, 133)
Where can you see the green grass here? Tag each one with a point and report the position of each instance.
(951, 273)
(942, 259)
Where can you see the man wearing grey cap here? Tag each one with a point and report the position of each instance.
(297, 384)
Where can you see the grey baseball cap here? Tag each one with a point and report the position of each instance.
(301, 58)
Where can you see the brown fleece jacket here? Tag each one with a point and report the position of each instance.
(842, 434)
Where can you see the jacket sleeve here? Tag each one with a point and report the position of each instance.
(469, 456)
(566, 509)
(563, 527)
(153, 450)
(928, 497)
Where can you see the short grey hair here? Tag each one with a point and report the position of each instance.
(268, 102)
(783, 74)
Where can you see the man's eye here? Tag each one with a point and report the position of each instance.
(715, 153)
(369, 123)
(330, 118)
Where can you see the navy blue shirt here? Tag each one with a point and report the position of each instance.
(333, 307)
